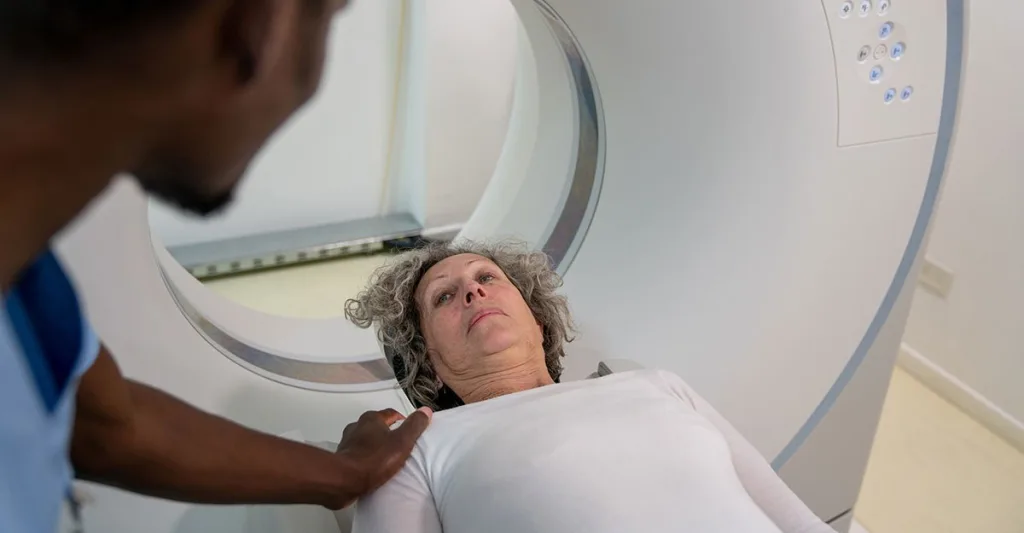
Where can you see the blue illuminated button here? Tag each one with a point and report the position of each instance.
(889, 96)
(885, 31)
(845, 9)
(876, 74)
(897, 51)
(906, 93)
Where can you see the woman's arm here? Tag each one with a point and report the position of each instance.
(403, 505)
(765, 487)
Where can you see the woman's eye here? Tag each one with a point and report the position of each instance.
(443, 298)
(484, 278)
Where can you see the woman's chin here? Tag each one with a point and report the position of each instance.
(496, 341)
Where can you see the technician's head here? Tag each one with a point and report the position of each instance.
(461, 314)
(201, 84)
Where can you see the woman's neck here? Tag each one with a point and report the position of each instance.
(503, 382)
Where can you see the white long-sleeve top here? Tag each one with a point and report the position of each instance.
(632, 452)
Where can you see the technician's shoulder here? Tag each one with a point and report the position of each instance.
(46, 345)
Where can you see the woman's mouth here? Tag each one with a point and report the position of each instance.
(482, 315)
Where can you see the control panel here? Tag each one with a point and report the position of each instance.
(890, 66)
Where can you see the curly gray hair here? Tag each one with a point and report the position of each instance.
(389, 302)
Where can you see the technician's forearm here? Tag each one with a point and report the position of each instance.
(172, 450)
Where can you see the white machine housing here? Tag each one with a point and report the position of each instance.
(752, 209)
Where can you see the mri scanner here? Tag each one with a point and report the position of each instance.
(737, 191)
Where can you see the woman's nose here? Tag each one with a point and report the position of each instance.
(475, 291)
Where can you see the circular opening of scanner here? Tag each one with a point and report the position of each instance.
(554, 153)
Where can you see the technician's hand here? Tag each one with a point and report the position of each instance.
(374, 453)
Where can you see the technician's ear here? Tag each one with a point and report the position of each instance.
(254, 34)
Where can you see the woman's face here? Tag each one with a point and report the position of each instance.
(475, 321)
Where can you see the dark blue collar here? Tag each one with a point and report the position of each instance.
(44, 313)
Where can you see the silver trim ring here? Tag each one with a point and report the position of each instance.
(584, 191)
(316, 375)
(567, 234)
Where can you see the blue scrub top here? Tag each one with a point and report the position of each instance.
(46, 345)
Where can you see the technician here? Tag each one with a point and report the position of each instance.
(180, 94)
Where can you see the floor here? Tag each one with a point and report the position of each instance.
(933, 469)
(857, 528)
(312, 291)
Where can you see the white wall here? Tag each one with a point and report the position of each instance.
(977, 333)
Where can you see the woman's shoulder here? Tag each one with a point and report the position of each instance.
(452, 422)
(653, 375)
(664, 380)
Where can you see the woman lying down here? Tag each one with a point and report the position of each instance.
(481, 332)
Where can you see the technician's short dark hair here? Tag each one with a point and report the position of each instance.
(63, 30)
